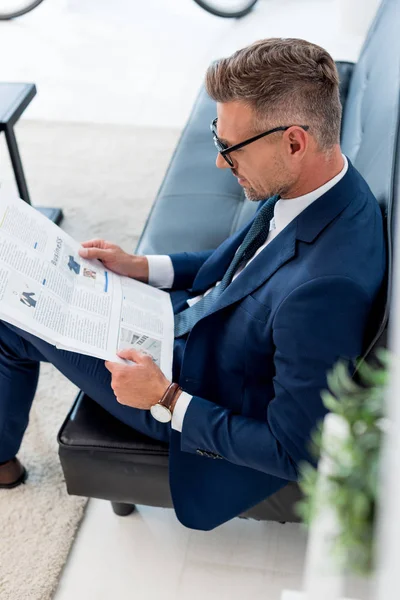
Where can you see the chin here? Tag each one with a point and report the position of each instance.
(254, 196)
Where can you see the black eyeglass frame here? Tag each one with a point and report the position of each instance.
(225, 150)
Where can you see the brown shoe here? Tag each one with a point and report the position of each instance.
(12, 474)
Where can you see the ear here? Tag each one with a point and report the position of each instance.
(297, 141)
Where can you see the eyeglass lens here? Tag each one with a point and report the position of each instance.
(220, 146)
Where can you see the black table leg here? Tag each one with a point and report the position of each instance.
(54, 214)
(17, 164)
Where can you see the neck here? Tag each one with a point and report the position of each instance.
(315, 174)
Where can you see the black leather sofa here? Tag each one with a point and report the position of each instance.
(197, 207)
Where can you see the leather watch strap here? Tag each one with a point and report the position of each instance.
(169, 395)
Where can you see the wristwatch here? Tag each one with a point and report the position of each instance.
(162, 410)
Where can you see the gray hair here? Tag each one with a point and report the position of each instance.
(286, 81)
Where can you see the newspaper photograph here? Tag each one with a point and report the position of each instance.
(48, 290)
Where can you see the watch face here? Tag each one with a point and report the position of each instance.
(161, 413)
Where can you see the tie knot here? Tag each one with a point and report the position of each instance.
(267, 210)
(272, 201)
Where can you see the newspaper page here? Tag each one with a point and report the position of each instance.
(48, 290)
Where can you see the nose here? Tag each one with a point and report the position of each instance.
(221, 162)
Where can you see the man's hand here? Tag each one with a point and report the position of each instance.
(139, 385)
(115, 259)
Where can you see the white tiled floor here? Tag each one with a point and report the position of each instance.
(141, 62)
(149, 554)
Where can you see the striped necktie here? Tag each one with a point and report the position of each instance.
(255, 238)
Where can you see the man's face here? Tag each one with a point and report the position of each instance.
(269, 166)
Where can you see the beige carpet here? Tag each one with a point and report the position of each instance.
(105, 178)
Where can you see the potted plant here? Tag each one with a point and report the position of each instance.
(352, 479)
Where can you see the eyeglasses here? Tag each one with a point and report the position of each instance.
(225, 150)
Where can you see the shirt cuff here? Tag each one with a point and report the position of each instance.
(180, 410)
(161, 271)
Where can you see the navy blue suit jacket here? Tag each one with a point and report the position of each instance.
(257, 364)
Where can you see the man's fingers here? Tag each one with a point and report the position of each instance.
(115, 368)
(93, 244)
(109, 366)
(132, 354)
(92, 253)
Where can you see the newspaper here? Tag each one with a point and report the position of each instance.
(48, 290)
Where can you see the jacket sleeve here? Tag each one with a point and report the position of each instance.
(186, 266)
(319, 322)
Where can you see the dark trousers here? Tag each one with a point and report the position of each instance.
(20, 356)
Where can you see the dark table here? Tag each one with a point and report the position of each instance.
(14, 98)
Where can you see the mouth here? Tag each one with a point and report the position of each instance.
(241, 180)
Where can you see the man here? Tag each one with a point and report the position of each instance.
(260, 320)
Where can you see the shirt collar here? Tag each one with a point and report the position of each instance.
(288, 209)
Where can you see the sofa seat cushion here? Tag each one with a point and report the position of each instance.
(89, 426)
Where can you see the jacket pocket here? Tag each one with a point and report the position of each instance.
(255, 309)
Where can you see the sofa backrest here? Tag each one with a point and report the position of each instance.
(371, 132)
(198, 205)
(370, 128)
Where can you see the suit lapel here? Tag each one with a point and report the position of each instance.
(305, 227)
(277, 253)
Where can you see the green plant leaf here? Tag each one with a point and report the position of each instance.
(354, 481)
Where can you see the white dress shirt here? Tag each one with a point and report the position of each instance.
(161, 270)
